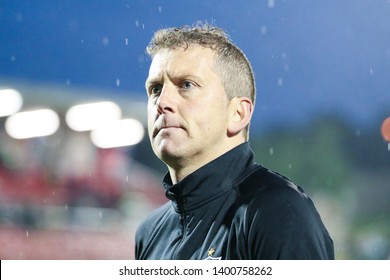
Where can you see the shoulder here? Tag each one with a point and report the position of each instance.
(276, 215)
(271, 202)
(265, 186)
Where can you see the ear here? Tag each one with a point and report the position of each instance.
(240, 114)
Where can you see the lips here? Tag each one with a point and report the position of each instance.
(169, 126)
(163, 123)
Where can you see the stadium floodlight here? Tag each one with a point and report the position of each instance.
(89, 116)
(10, 102)
(30, 124)
(125, 132)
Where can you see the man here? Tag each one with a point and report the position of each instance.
(223, 205)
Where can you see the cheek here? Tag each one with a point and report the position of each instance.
(211, 119)
(199, 115)
(150, 119)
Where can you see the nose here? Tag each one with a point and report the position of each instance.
(166, 100)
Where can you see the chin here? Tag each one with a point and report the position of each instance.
(167, 152)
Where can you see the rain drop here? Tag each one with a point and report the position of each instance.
(127, 41)
(271, 151)
(358, 133)
(118, 82)
(263, 30)
(271, 3)
(105, 41)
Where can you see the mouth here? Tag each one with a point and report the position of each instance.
(170, 126)
(165, 128)
(166, 124)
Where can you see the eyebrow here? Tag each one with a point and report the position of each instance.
(179, 77)
(150, 82)
(182, 77)
(188, 77)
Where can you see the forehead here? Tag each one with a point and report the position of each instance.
(181, 61)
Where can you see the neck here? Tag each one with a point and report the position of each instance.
(179, 174)
(183, 168)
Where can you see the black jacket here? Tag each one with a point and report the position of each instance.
(233, 208)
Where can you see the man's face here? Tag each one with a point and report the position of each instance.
(187, 107)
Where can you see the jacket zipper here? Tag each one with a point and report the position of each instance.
(183, 217)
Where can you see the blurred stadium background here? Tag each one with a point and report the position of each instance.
(66, 192)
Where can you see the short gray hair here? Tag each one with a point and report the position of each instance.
(231, 65)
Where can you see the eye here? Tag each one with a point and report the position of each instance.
(155, 89)
(186, 85)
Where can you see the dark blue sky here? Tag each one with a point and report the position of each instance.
(309, 56)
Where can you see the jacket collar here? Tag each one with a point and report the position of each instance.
(211, 180)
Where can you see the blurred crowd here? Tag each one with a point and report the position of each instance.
(63, 182)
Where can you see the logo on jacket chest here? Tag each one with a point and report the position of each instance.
(210, 253)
